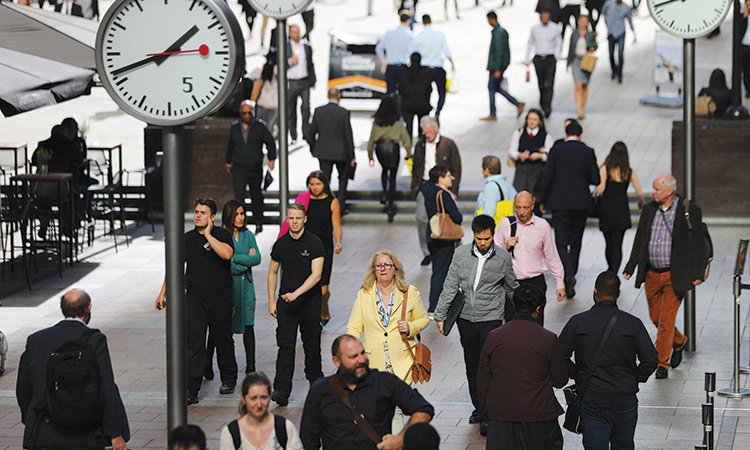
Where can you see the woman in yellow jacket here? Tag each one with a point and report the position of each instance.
(377, 314)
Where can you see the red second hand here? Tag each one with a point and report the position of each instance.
(203, 50)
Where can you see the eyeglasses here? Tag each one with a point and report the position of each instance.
(385, 266)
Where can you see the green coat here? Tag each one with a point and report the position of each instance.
(243, 290)
(499, 56)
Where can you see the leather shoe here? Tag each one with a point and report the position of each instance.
(279, 398)
(226, 389)
(489, 118)
(474, 417)
(570, 291)
(520, 107)
(676, 358)
(258, 229)
(208, 374)
(661, 373)
(426, 261)
(192, 398)
(483, 425)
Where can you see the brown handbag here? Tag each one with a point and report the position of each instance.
(442, 227)
(421, 370)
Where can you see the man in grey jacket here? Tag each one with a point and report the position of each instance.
(484, 274)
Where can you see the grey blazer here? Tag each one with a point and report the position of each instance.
(590, 41)
(330, 133)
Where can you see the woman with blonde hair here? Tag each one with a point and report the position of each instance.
(376, 316)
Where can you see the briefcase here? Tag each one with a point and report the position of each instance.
(267, 180)
(454, 311)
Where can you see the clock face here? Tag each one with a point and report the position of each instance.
(689, 19)
(280, 9)
(169, 62)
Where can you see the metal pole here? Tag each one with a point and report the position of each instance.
(283, 117)
(709, 382)
(369, 8)
(736, 392)
(736, 55)
(174, 230)
(688, 139)
(707, 410)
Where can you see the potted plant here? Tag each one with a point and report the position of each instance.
(43, 156)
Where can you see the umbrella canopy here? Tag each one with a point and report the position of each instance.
(28, 82)
(51, 35)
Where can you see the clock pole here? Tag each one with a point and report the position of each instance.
(688, 139)
(283, 116)
(174, 231)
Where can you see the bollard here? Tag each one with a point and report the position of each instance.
(700, 447)
(710, 386)
(708, 425)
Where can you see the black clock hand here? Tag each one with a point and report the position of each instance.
(667, 2)
(159, 59)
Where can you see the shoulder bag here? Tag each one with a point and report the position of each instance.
(420, 354)
(573, 396)
(359, 418)
(442, 227)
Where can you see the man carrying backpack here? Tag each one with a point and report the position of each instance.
(66, 389)
(671, 252)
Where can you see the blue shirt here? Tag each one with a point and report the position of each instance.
(396, 45)
(488, 198)
(614, 17)
(432, 46)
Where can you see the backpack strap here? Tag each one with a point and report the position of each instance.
(279, 425)
(513, 228)
(234, 430)
(686, 206)
(87, 335)
(359, 418)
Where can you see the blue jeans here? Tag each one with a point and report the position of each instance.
(392, 71)
(620, 42)
(605, 424)
(494, 86)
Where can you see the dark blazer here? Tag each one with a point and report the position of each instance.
(686, 247)
(447, 156)
(250, 153)
(430, 191)
(590, 42)
(570, 169)
(308, 56)
(330, 133)
(75, 9)
(32, 372)
(415, 90)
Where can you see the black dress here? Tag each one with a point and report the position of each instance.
(614, 208)
(320, 224)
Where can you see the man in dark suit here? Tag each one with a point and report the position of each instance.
(331, 141)
(301, 74)
(244, 159)
(69, 8)
(40, 433)
(571, 168)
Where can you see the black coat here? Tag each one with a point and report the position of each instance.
(250, 153)
(32, 382)
(75, 9)
(415, 89)
(570, 169)
(330, 133)
(308, 56)
(430, 191)
(686, 247)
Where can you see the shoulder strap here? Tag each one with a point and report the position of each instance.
(234, 430)
(359, 419)
(404, 336)
(502, 196)
(279, 425)
(439, 202)
(686, 206)
(513, 225)
(598, 353)
(87, 335)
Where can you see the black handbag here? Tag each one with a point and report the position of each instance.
(454, 311)
(594, 206)
(573, 394)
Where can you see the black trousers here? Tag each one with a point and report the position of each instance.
(342, 167)
(566, 13)
(545, 66)
(218, 321)
(524, 435)
(746, 68)
(473, 336)
(437, 76)
(441, 253)
(409, 119)
(301, 89)
(569, 225)
(252, 177)
(613, 249)
(539, 283)
(248, 341)
(388, 153)
(303, 313)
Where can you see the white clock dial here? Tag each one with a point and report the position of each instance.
(169, 62)
(280, 9)
(689, 19)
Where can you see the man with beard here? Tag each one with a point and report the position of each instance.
(356, 390)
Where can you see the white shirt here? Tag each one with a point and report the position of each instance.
(67, 6)
(293, 441)
(430, 148)
(480, 264)
(746, 38)
(544, 40)
(298, 71)
(514, 140)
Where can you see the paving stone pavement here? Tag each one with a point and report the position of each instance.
(124, 285)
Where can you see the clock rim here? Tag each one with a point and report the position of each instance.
(688, 35)
(234, 72)
(277, 16)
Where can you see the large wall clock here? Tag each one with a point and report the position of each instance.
(689, 19)
(169, 62)
(280, 9)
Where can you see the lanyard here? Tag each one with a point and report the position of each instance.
(390, 306)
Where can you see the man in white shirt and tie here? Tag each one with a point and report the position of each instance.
(69, 8)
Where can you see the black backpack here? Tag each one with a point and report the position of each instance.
(279, 425)
(73, 396)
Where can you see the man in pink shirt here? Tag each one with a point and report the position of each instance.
(532, 248)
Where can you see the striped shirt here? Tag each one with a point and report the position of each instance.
(660, 244)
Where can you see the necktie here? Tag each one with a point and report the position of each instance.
(531, 135)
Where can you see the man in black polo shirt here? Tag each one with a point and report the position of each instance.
(374, 394)
(300, 255)
(208, 283)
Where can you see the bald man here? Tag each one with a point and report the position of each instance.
(112, 428)
(332, 142)
(669, 259)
